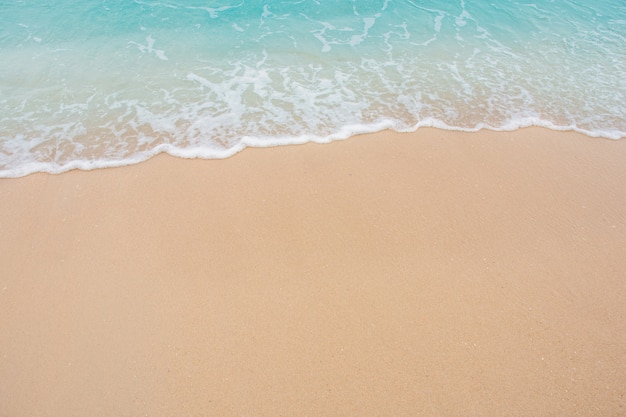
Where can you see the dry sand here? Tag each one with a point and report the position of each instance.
(433, 274)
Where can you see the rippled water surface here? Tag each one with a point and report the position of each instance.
(86, 84)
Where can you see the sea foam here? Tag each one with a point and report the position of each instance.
(90, 84)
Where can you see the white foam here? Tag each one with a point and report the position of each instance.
(148, 48)
(284, 77)
(210, 151)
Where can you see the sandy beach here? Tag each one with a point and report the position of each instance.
(423, 274)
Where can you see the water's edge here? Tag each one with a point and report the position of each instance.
(256, 142)
(87, 84)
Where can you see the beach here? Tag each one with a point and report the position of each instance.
(434, 273)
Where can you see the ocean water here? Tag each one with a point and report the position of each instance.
(97, 83)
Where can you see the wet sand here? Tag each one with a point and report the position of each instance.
(433, 273)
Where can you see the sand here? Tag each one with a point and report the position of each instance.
(425, 274)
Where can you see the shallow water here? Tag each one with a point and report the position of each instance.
(87, 84)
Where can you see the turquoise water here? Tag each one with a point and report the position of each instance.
(88, 84)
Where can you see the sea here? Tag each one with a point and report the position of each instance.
(100, 83)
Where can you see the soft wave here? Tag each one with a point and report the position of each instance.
(134, 79)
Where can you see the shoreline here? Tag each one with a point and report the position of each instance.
(426, 273)
(385, 127)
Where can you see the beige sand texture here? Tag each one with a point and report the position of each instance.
(425, 274)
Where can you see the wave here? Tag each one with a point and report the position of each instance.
(101, 84)
(346, 132)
